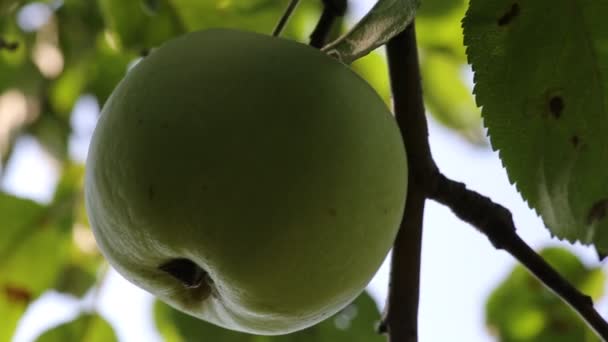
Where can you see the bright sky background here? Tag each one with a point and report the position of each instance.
(460, 267)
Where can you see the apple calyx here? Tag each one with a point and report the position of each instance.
(187, 272)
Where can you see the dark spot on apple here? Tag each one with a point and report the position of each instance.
(140, 121)
(598, 211)
(144, 52)
(575, 140)
(187, 272)
(556, 106)
(511, 14)
(164, 124)
(385, 211)
(151, 192)
(17, 294)
(332, 212)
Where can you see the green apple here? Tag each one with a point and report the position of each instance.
(251, 181)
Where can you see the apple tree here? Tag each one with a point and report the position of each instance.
(538, 97)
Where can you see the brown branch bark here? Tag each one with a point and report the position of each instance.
(400, 319)
(496, 223)
(332, 9)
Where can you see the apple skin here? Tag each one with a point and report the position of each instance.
(268, 166)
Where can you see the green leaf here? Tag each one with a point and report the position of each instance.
(35, 244)
(251, 15)
(355, 323)
(8, 6)
(79, 272)
(439, 28)
(521, 309)
(374, 69)
(79, 24)
(541, 72)
(86, 328)
(438, 8)
(447, 97)
(74, 280)
(385, 20)
(32, 248)
(137, 28)
(107, 67)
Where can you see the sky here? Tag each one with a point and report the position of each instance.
(460, 268)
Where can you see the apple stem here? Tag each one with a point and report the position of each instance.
(285, 17)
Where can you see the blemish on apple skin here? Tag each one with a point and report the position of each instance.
(151, 192)
(332, 212)
(556, 106)
(508, 17)
(598, 211)
(575, 141)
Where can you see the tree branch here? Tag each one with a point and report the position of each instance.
(285, 17)
(425, 181)
(400, 319)
(332, 9)
(496, 223)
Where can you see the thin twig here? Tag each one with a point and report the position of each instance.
(496, 223)
(285, 17)
(400, 319)
(332, 9)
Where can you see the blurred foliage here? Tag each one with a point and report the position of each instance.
(85, 328)
(354, 323)
(521, 309)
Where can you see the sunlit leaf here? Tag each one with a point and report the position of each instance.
(53, 132)
(66, 90)
(447, 97)
(438, 8)
(541, 73)
(79, 22)
(521, 309)
(439, 28)
(137, 28)
(255, 15)
(84, 260)
(74, 280)
(374, 70)
(32, 248)
(86, 328)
